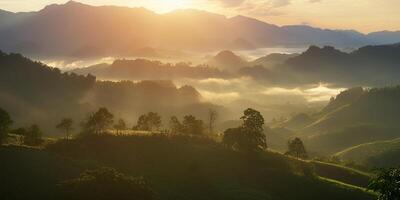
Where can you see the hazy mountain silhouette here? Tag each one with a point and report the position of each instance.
(228, 60)
(76, 29)
(367, 66)
(142, 69)
(35, 93)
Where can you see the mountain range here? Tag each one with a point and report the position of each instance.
(78, 30)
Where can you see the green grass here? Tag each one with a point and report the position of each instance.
(374, 154)
(196, 168)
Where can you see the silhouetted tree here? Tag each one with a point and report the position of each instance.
(296, 148)
(386, 184)
(33, 136)
(5, 123)
(98, 122)
(212, 117)
(148, 122)
(192, 126)
(248, 137)
(65, 125)
(175, 126)
(120, 126)
(104, 184)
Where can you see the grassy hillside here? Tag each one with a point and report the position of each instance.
(29, 173)
(373, 155)
(196, 168)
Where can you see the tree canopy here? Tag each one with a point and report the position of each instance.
(98, 122)
(65, 125)
(250, 135)
(5, 123)
(387, 184)
(296, 148)
(149, 122)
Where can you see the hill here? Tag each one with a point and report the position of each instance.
(181, 167)
(369, 66)
(228, 60)
(373, 155)
(121, 31)
(35, 93)
(143, 69)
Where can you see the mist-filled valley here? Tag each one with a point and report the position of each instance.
(118, 102)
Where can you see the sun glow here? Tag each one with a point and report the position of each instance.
(170, 5)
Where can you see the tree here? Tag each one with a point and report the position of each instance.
(106, 183)
(65, 125)
(5, 123)
(192, 126)
(250, 135)
(175, 125)
(98, 122)
(33, 136)
(148, 122)
(121, 125)
(212, 117)
(387, 184)
(296, 148)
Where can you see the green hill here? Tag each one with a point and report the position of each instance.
(373, 155)
(181, 167)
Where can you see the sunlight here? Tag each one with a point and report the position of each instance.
(170, 5)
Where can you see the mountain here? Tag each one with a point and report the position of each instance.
(272, 60)
(78, 30)
(385, 37)
(228, 60)
(372, 66)
(143, 69)
(35, 93)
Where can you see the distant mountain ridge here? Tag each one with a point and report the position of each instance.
(79, 30)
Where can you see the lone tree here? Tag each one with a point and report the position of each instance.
(386, 184)
(5, 123)
(98, 122)
(149, 122)
(249, 137)
(106, 183)
(296, 148)
(120, 126)
(212, 117)
(175, 125)
(192, 126)
(33, 136)
(66, 126)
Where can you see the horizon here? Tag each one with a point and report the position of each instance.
(268, 11)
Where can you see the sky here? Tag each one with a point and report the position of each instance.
(361, 15)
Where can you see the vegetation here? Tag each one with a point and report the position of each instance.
(66, 126)
(296, 148)
(120, 126)
(387, 184)
(5, 123)
(33, 136)
(248, 137)
(106, 183)
(148, 122)
(98, 122)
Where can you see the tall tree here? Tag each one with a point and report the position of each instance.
(98, 122)
(296, 148)
(386, 184)
(192, 126)
(120, 126)
(212, 117)
(175, 125)
(149, 122)
(250, 135)
(5, 123)
(33, 136)
(66, 126)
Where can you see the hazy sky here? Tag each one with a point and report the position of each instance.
(361, 15)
